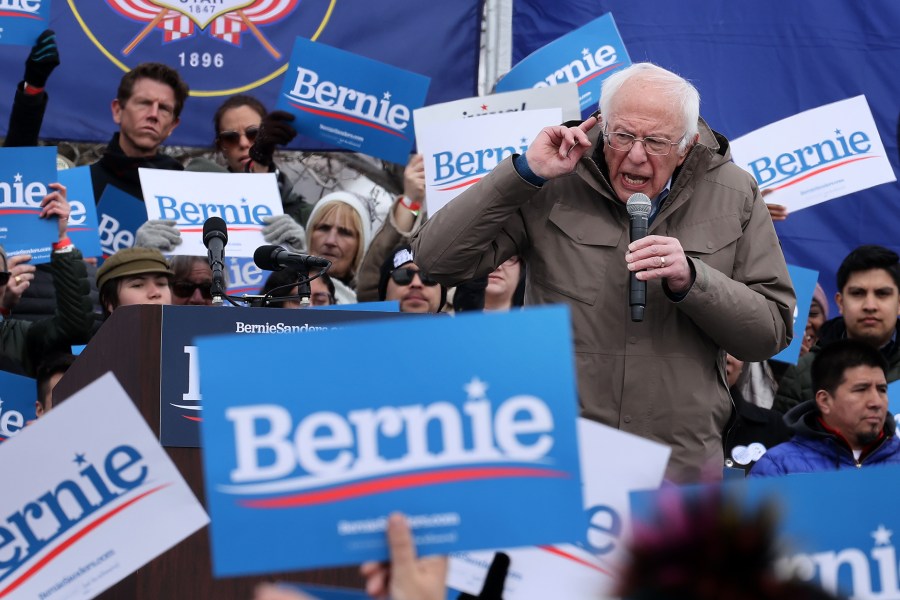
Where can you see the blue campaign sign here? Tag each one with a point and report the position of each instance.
(21, 21)
(244, 277)
(392, 306)
(585, 56)
(804, 281)
(352, 102)
(323, 592)
(25, 175)
(836, 526)
(17, 398)
(83, 218)
(181, 403)
(120, 214)
(893, 393)
(450, 442)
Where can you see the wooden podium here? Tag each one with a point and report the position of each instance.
(129, 344)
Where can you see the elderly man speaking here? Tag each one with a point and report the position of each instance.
(716, 280)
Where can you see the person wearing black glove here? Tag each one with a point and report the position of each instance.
(242, 123)
(275, 130)
(492, 589)
(30, 102)
(43, 59)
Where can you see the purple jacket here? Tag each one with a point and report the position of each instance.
(814, 449)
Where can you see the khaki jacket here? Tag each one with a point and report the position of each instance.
(663, 378)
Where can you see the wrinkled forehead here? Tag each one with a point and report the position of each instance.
(340, 215)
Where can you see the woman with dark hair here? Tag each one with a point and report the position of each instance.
(246, 137)
(282, 285)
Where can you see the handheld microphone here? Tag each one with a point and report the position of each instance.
(275, 258)
(215, 237)
(638, 207)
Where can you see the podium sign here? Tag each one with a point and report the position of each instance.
(179, 379)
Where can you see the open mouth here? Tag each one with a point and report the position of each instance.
(634, 179)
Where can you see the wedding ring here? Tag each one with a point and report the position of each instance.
(18, 279)
(662, 261)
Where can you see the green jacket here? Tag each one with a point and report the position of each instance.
(28, 342)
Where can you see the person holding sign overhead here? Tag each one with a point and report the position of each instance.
(30, 102)
(711, 264)
(28, 342)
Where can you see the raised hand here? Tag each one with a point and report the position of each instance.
(556, 150)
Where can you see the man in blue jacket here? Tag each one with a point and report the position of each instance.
(847, 424)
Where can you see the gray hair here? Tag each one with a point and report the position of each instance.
(681, 91)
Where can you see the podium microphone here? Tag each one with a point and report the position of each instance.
(638, 207)
(275, 258)
(215, 237)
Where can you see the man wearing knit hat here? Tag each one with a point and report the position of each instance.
(401, 280)
(134, 276)
(868, 298)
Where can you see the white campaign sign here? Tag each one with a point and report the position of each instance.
(459, 153)
(563, 96)
(817, 155)
(613, 464)
(89, 496)
(242, 200)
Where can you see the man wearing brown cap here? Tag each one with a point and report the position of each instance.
(134, 276)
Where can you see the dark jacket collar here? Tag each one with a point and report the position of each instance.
(126, 167)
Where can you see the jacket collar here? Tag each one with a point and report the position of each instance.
(126, 167)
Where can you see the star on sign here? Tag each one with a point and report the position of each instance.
(476, 388)
(79, 458)
(18, 178)
(837, 132)
(882, 536)
(387, 95)
(484, 107)
(585, 52)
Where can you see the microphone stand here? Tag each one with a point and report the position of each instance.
(304, 291)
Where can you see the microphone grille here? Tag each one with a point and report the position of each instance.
(215, 227)
(638, 205)
(264, 258)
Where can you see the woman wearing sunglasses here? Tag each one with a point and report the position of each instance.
(246, 137)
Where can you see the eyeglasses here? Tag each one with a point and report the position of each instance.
(404, 276)
(186, 289)
(4, 277)
(321, 299)
(623, 142)
(233, 138)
